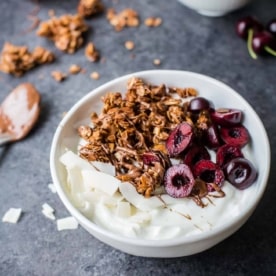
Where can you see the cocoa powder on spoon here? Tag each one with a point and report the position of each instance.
(19, 111)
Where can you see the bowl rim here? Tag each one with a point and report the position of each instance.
(88, 224)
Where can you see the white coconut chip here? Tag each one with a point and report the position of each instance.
(68, 223)
(48, 211)
(12, 215)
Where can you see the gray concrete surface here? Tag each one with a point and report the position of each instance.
(185, 41)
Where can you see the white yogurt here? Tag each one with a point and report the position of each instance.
(117, 206)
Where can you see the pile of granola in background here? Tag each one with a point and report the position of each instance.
(67, 32)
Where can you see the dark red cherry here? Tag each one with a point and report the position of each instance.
(247, 23)
(179, 181)
(151, 157)
(226, 116)
(211, 137)
(194, 154)
(240, 172)
(209, 172)
(263, 43)
(271, 26)
(236, 135)
(226, 153)
(198, 104)
(179, 139)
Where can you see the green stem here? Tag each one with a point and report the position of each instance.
(249, 44)
(270, 51)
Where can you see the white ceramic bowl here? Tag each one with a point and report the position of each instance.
(221, 95)
(214, 7)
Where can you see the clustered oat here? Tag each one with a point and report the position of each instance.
(17, 60)
(74, 69)
(153, 21)
(91, 53)
(129, 45)
(66, 31)
(58, 76)
(88, 8)
(123, 19)
(130, 126)
(156, 61)
(95, 75)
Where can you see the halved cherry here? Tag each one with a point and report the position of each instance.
(227, 116)
(236, 135)
(241, 173)
(209, 172)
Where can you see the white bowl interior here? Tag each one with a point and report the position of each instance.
(222, 96)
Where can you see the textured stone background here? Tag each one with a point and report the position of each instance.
(185, 41)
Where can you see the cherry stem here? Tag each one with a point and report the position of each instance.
(270, 51)
(249, 44)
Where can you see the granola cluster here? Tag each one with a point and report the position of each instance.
(123, 19)
(17, 60)
(153, 21)
(88, 8)
(66, 32)
(91, 53)
(131, 126)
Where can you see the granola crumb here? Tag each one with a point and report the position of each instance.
(156, 61)
(66, 32)
(129, 45)
(125, 18)
(17, 60)
(95, 75)
(88, 8)
(91, 53)
(58, 76)
(153, 21)
(74, 69)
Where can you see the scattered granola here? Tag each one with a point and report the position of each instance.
(88, 8)
(153, 21)
(91, 53)
(58, 76)
(157, 61)
(42, 55)
(129, 45)
(134, 125)
(125, 18)
(17, 60)
(74, 69)
(95, 75)
(66, 32)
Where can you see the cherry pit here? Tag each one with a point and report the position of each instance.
(261, 39)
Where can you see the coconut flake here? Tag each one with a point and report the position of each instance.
(52, 187)
(68, 223)
(101, 181)
(71, 160)
(48, 211)
(12, 215)
(123, 209)
(140, 202)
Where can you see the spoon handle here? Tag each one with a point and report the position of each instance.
(5, 138)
